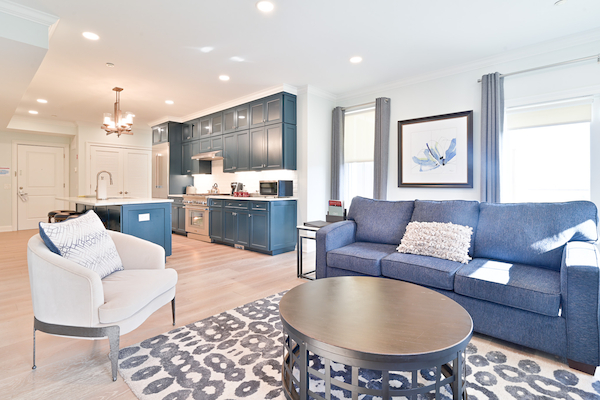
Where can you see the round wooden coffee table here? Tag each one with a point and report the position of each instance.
(375, 327)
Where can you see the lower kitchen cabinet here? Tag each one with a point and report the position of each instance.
(264, 226)
(178, 217)
(215, 222)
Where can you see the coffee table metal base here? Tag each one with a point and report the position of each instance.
(297, 352)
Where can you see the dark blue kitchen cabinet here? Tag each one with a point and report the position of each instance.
(190, 131)
(259, 230)
(189, 166)
(177, 216)
(273, 147)
(273, 110)
(210, 125)
(215, 220)
(211, 144)
(264, 226)
(236, 152)
(160, 133)
(236, 119)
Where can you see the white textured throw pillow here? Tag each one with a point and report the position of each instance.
(442, 240)
(83, 240)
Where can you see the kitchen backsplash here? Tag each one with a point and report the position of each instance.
(250, 179)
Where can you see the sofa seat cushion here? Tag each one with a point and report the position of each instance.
(361, 257)
(422, 270)
(515, 285)
(127, 292)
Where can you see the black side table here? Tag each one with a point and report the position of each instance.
(306, 231)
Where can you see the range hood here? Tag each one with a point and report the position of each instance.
(209, 155)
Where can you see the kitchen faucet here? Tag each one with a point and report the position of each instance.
(98, 179)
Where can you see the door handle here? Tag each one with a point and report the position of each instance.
(23, 196)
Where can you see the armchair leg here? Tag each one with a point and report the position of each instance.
(173, 309)
(112, 332)
(34, 366)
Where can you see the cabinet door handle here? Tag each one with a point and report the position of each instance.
(120, 192)
(209, 148)
(233, 213)
(249, 215)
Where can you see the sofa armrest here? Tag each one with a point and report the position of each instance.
(580, 291)
(62, 291)
(138, 253)
(333, 237)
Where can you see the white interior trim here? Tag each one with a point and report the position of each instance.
(14, 163)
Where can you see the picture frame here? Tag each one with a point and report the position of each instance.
(436, 151)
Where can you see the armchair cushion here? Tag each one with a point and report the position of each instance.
(127, 292)
(84, 241)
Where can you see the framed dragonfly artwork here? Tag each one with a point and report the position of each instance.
(436, 151)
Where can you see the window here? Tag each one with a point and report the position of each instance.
(359, 150)
(546, 152)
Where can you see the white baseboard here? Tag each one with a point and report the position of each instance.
(6, 228)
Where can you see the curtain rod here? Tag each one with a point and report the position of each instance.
(596, 57)
(357, 106)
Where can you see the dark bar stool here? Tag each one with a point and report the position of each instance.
(60, 215)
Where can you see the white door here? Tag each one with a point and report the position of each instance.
(107, 159)
(136, 173)
(40, 179)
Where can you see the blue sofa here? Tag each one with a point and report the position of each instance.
(534, 278)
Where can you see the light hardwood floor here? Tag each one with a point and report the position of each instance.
(212, 278)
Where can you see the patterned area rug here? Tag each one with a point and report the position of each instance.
(237, 354)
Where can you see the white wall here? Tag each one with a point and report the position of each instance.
(92, 133)
(462, 92)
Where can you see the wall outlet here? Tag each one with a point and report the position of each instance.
(7, 186)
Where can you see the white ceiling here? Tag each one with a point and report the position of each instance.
(155, 44)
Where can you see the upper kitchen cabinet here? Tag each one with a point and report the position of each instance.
(160, 133)
(236, 118)
(190, 131)
(273, 147)
(211, 125)
(236, 152)
(272, 110)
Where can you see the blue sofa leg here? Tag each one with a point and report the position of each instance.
(586, 368)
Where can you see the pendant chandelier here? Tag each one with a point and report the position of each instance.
(117, 122)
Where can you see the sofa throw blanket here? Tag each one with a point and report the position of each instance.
(442, 240)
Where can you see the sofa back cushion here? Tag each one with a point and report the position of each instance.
(380, 221)
(458, 212)
(533, 233)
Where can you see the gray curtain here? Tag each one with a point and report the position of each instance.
(337, 153)
(492, 121)
(382, 143)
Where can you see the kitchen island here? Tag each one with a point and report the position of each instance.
(146, 218)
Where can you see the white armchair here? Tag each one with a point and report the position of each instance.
(71, 300)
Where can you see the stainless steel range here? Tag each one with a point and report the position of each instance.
(196, 216)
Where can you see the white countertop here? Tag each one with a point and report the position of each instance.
(255, 198)
(91, 201)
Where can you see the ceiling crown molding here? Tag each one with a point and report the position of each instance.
(18, 10)
(488, 62)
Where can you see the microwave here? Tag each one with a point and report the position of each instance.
(277, 188)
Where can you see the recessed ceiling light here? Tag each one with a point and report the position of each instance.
(236, 59)
(169, 102)
(91, 36)
(206, 49)
(265, 6)
(224, 77)
(110, 65)
(42, 101)
(356, 60)
(560, 2)
(32, 112)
